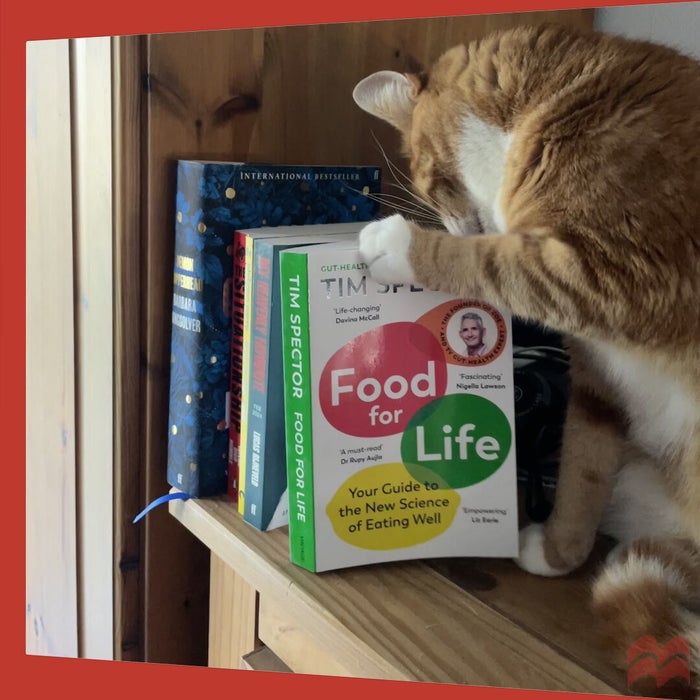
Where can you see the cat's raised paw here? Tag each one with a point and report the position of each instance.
(531, 557)
(384, 247)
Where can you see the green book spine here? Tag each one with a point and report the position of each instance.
(298, 407)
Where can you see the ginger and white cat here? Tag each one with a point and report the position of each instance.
(576, 158)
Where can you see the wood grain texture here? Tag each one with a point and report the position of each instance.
(92, 191)
(51, 528)
(278, 94)
(231, 599)
(406, 621)
(129, 471)
(294, 644)
(555, 609)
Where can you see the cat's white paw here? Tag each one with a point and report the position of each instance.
(531, 557)
(384, 246)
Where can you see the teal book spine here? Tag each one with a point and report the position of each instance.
(265, 485)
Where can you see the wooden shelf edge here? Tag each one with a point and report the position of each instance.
(337, 606)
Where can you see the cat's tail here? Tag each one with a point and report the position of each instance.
(647, 604)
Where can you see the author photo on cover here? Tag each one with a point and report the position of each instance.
(473, 334)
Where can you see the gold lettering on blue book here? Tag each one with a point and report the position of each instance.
(184, 262)
(194, 284)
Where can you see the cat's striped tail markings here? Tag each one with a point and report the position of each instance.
(647, 604)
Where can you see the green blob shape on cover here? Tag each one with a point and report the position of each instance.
(457, 440)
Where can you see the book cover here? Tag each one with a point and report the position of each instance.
(263, 475)
(399, 417)
(309, 195)
(213, 200)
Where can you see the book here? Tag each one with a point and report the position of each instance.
(236, 362)
(399, 417)
(238, 433)
(320, 195)
(214, 199)
(263, 474)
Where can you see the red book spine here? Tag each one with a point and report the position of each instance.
(237, 297)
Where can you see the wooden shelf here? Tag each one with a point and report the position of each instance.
(470, 621)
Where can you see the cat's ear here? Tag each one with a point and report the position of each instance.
(388, 95)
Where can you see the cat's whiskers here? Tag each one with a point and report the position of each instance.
(396, 171)
(412, 203)
(395, 203)
(415, 200)
(428, 211)
(413, 212)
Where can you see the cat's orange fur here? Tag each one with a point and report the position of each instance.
(590, 224)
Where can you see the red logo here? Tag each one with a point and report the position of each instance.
(646, 657)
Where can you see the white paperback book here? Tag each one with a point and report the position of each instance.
(400, 427)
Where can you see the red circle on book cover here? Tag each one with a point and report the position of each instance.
(373, 385)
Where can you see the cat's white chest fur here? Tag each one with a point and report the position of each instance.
(482, 156)
(661, 411)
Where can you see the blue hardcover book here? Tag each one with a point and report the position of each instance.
(214, 199)
(263, 477)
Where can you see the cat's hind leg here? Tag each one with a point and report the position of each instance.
(591, 452)
(641, 505)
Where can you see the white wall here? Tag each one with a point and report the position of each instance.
(675, 24)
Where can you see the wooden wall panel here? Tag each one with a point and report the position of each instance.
(51, 531)
(92, 192)
(129, 370)
(277, 94)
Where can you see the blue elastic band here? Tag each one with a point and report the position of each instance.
(159, 501)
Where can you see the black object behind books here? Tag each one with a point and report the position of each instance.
(541, 395)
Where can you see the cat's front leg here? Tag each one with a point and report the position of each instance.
(385, 247)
